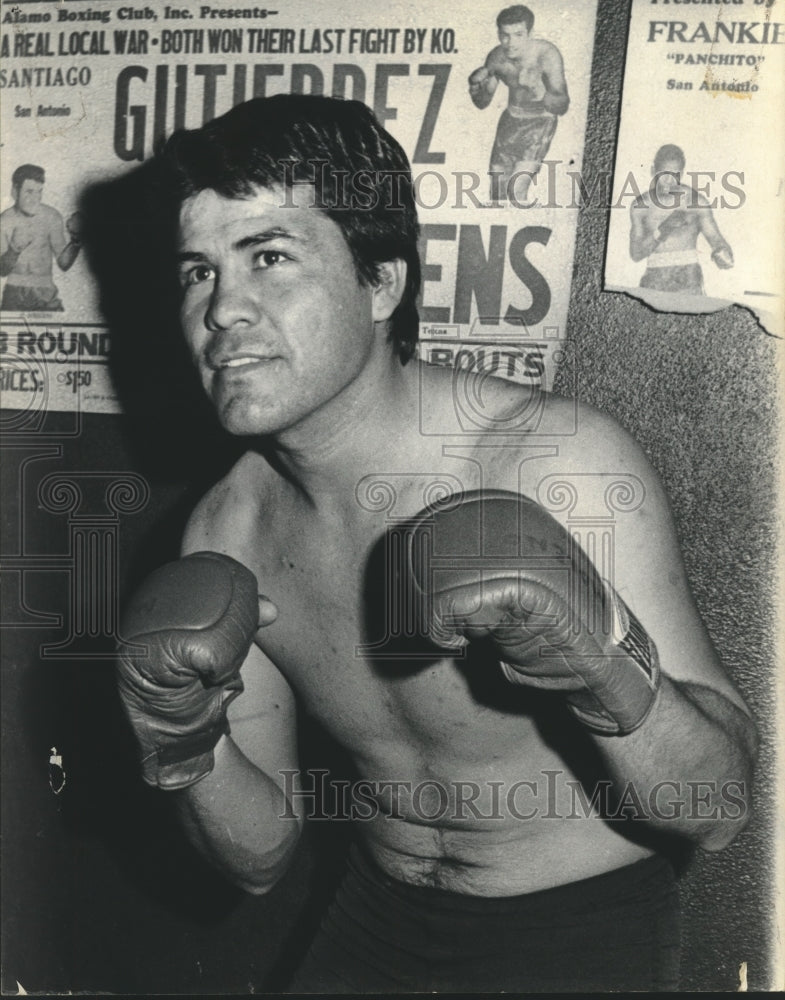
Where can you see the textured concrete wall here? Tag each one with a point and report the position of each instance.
(700, 394)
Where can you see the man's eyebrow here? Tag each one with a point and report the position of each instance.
(252, 240)
(255, 239)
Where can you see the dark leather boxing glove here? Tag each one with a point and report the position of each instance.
(195, 620)
(673, 223)
(495, 565)
(478, 78)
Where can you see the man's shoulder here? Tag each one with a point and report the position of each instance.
(601, 444)
(577, 450)
(488, 409)
(50, 214)
(525, 437)
(545, 49)
(225, 516)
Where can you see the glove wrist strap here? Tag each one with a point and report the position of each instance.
(630, 691)
(194, 746)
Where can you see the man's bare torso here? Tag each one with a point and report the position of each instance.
(691, 207)
(34, 233)
(486, 806)
(523, 75)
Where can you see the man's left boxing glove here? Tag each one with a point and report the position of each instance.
(494, 565)
(195, 620)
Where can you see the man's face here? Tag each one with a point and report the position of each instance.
(28, 196)
(513, 38)
(667, 179)
(273, 312)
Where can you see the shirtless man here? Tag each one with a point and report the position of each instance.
(665, 225)
(480, 736)
(31, 233)
(533, 71)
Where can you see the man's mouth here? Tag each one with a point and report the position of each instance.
(240, 361)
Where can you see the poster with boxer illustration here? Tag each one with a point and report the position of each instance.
(698, 202)
(491, 115)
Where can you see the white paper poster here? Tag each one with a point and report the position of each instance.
(87, 90)
(698, 209)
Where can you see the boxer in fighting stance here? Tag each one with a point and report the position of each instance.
(665, 223)
(522, 683)
(533, 71)
(31, 234)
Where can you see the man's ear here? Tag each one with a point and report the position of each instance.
(388, 288)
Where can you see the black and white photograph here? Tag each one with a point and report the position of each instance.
(391, 574)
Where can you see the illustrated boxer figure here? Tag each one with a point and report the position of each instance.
(665, 224)
(31, 234)
(533, 71)
(483, 734)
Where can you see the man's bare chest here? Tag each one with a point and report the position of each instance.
(349, 642)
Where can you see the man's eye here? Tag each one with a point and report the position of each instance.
(197, 274)
(267, 258)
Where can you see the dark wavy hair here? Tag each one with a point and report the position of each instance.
(669, 154)
(516, 15)
(360, 174)
(27, 172)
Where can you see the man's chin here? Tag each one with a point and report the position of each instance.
(242, 427)
(246, 421)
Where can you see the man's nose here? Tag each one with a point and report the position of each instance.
(231, 303)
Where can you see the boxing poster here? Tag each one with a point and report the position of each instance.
(494, 138)
(698, 202)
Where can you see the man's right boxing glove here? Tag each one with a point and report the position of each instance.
(195, 619)
(723, 257)
(495, 565)
(477, 80)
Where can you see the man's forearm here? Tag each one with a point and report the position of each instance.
(68, 255)
(238, 818)
(689, 765)
(642, 246)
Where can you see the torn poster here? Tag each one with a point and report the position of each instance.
(698, 203)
